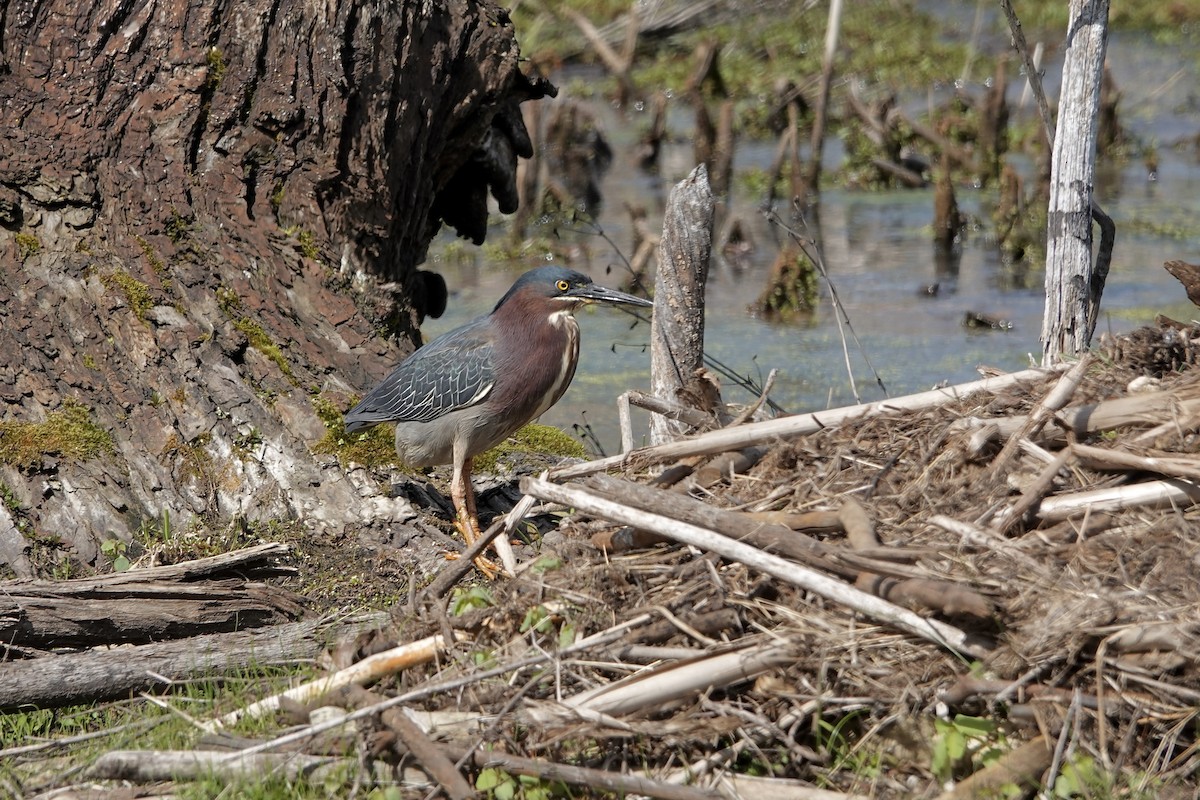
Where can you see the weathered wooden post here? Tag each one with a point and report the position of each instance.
(1073, 286)
(677, 332)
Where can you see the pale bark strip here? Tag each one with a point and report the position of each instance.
(650, 689)
(151, 766)
(880, 610)
(1071, 285)
(677, 330)
(1150, 494)
(754, 433)
(368, 670)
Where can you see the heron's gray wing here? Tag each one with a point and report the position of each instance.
(453, 371)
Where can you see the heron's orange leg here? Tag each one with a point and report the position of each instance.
(466, 517)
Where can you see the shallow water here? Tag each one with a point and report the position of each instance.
(878, 250)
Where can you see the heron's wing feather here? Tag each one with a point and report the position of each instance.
(452, 372)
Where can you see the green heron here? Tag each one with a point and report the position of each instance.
(470, 389)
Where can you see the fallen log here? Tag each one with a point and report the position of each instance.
(145, 605)
(86, 677)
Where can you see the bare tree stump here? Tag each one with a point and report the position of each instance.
(948, 222)
(1072, 291)
(677, 332)
(993, 126)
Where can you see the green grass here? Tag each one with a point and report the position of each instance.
(140, 724)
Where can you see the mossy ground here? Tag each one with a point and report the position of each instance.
(136, 293)
(69, 433)
(231, 305)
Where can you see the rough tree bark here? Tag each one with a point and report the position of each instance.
(1073, 284)
(677, 330)
(199, 204)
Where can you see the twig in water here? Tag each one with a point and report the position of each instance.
(810, 248)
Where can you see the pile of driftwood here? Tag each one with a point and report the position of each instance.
(812, 619)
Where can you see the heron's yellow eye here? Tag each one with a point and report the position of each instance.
(562, 285)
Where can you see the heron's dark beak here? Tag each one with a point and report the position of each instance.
(600, 294)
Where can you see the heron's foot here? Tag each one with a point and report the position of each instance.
(470, 533)
(489, 569)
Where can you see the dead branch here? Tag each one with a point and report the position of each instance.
(617, 64)
(795, 574)
(1034, 493)
(755, 433)
(921, 594)
(1053, 402)
(369, 670)
(1023, 767)
(1117, 460)
(653, 688)
(432, 758)
(598, 779)
(1147, 495)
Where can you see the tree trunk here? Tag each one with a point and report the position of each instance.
(1072, 289)
(812, 180)
(198, 204)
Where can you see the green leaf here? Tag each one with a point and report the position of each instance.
(506, 790)
(490, 778)
(956, 745)
(1077, 777)
(547, 563)
(121, 564)
(566, 635)
(464, 600)
(978, 727)
(536, 618)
